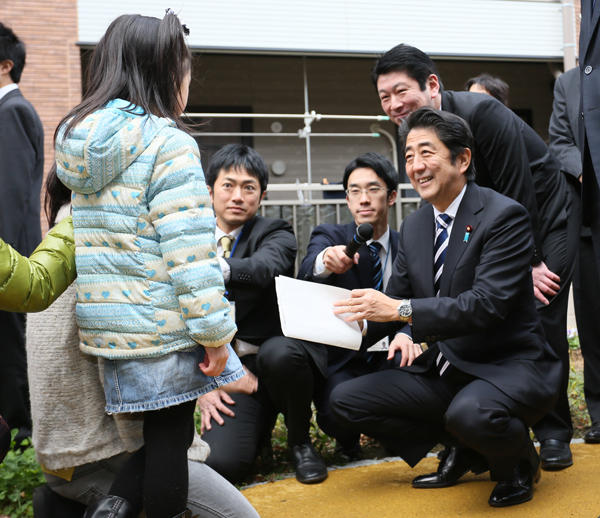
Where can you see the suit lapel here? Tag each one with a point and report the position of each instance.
(586, 14)
(424, 240)
(394, 239)
(242, 244)
(468, 215)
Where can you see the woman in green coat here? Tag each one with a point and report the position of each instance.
(30, 285)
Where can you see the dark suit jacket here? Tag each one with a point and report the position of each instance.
(564, 122)
(357, 277)
(589, 124)
(266, 248)
(564, 128)
(484, 321)
(513, 160)
(21, 172)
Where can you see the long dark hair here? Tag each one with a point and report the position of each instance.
(56, 195)
(140, 59)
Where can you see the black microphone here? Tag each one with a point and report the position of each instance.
(364, 232)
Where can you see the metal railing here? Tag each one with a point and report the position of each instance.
(304, 212)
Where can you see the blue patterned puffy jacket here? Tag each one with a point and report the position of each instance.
(148, 280)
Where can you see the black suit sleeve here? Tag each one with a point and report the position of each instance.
(501, 268)
(499, 140)
(562, 139)
(274, 255)
(17, 167)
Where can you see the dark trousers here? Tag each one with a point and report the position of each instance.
(235, 445)
(560, 250)
(343, 435)
(587, 309)
(14, 390)
(287, 373)
(410, 413)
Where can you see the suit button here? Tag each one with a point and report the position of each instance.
(588, 70)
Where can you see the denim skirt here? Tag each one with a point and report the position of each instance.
(140, 385)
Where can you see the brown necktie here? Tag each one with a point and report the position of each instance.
(226, 242)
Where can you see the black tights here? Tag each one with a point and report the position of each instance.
(156, 476)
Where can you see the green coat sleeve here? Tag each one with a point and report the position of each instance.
(32, 285)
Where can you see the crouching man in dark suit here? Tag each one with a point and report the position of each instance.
(462, 283)
(296, 371)
(252, 251)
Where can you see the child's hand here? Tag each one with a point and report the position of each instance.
(215, 359)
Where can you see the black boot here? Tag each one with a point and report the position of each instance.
(110, 507)
(454, 463)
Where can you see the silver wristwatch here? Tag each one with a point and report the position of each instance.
(404, 310)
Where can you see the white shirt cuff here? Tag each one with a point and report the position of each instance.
(319, 269)
(226, 269)
(364, 329)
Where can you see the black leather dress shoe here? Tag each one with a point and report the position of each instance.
(555, 455)
(593, 435)
(454, 463)
(519, 488)
(348, 452)
(310, 467)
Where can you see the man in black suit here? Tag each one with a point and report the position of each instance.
(589, 136)
(290, 366)
(462, 283)
(21, 172)
(566, 145)
(513, 160)
(252, 251)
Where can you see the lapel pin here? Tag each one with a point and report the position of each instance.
(468, 233)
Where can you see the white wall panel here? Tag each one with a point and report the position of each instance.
(477, 28)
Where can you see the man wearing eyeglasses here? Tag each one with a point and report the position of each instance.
(370, 182)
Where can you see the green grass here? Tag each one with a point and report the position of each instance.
(20, 474)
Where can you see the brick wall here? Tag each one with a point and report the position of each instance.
(51, 80)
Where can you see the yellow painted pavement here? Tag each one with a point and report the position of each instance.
(384, 490)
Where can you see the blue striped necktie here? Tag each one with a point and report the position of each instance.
(377, 271)
(439, 249)
(439, 254)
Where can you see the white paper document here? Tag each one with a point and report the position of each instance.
(306, 313)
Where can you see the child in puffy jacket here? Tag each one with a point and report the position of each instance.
(150, 295)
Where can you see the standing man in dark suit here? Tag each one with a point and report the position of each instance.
(252, 251)
(462, 283)
(513, 160)
(293, 369)
(589, 137)
(21, 172)
(566, 145)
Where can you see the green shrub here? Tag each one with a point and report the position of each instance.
(20, 474)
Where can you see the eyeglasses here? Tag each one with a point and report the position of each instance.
(371, 191)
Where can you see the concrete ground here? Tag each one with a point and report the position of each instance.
(383, 489)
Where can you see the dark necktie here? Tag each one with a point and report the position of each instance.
(226, 242)
(376, 269)
(439, 249)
